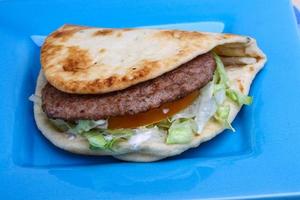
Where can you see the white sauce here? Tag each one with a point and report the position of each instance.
(136, 140)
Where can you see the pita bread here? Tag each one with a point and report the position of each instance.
(242, 59)
(85, 60)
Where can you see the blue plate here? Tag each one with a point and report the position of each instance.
(260, 160)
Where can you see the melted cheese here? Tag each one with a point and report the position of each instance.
(152, 116)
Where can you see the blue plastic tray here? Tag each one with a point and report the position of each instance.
(262, 159)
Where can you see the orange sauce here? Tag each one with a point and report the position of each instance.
(152, 116)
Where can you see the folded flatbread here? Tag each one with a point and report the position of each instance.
(96, 61)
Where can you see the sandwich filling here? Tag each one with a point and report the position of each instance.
(178, 103)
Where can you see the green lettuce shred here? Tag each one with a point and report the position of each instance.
(222, 115)
(164, 124)
(95, 139)
(181, 131)
(118, 135)
(61, 125)
(94, 135)
(98, 141)
(111, 144)
(238, 97)
(221, 82)
(220, 75)
(219, 87)
(83, 126)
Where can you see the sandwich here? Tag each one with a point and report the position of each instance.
(141, 94)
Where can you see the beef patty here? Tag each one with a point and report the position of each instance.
(138, 98)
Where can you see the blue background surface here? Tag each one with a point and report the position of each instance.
(262, 159)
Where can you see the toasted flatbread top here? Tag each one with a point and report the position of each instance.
(85, 60)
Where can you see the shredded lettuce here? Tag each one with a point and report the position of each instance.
(222, 115)
(98, 137)
(75, 128)
(211, 104)
(238, 97)
(111, 144)
(118, 135)
(62, 125)
(219, 87)
(181, 131)
(220, 75)
(83, 126)
(164, 124)
(206, 107)
(95, 139)
(221, 82)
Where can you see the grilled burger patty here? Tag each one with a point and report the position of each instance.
(138, 98)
